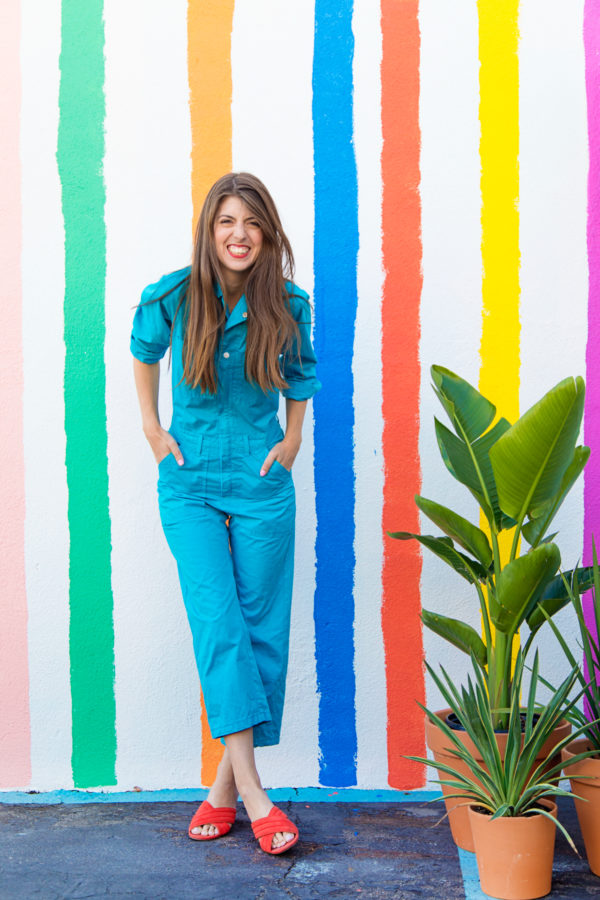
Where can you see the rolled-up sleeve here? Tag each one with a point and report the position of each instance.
(299, 362)
(151, 333)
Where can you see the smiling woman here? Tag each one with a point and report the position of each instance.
(239, 331)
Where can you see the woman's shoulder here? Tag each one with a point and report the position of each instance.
(167, 285)
(299, 302)
(295, 291)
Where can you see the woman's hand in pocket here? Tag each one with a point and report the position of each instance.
(284, 452)
(162, 443)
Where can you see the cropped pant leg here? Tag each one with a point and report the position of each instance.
(232, 686)
(262, 548)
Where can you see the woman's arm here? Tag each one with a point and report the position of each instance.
(146, 382)
(285, 451)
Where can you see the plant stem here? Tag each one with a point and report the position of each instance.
(499, 678)
(485, 616)
(517, 535)
(495, 549)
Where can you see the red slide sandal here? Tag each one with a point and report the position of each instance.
(265, 828)
(206, 814)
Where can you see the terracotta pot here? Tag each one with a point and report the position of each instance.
(514, 855)
(457, 809)
(588, 809)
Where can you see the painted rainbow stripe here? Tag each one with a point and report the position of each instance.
(335, 296)
(15, 742)
(80, 156)
(592, 409)
(209, 24)
(402, 252)
(209, 74)
(499, 153)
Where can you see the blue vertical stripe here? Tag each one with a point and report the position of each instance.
(335, 296)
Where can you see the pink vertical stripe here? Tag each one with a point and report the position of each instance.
(15, 765)
(592, 410)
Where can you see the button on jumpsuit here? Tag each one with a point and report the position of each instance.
(236, 580)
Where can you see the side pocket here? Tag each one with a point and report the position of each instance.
(164, 460)
(278, 468)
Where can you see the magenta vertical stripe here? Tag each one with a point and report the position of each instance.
(15, 766)
(592, 411)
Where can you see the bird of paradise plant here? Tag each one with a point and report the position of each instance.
(519, 475)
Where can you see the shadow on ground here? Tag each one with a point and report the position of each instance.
(141, 851)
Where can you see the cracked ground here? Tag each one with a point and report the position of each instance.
(141, 851)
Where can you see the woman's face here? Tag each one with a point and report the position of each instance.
(238, 238)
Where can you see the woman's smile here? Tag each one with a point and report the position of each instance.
(238, 251)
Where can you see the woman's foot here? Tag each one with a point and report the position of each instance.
(223, 793)
(258, 806)
(240, 757)
(219, 818)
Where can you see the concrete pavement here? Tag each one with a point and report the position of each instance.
(140, 851)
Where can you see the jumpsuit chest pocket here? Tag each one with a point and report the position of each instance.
(238, 398)
(230, 371)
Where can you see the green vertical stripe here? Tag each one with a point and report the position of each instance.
(80, 159)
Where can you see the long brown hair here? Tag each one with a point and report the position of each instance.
(271, 326)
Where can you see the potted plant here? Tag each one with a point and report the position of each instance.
(585, 774)
(519, 475)
(510, 798)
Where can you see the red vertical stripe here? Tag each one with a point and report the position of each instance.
(402, 631)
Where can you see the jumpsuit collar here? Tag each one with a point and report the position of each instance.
(239, 313)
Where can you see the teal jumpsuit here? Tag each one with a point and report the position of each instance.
(236, 578)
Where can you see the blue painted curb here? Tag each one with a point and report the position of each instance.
(470, 876)
(194, 795)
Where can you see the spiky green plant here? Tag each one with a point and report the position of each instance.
(509, 785)
(588, 722)
(519, 475)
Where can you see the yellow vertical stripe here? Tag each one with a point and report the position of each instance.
(499, 154)
(209, 25)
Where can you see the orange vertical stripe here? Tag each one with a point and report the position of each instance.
(209, 73)
(401, 219)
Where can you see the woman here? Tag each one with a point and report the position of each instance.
(240, 335)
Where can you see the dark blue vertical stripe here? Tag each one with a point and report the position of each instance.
(335, 296)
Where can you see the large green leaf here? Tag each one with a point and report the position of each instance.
(520, 584)
(445, 549)
(471, 465)
(458, 633)
(534, 530)
(473, 539)
(556, 594)
(530, 460)
(469, 411)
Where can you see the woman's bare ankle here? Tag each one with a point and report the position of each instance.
(223, 792)
(255, 800)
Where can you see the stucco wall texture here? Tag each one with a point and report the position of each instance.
(436, 166)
